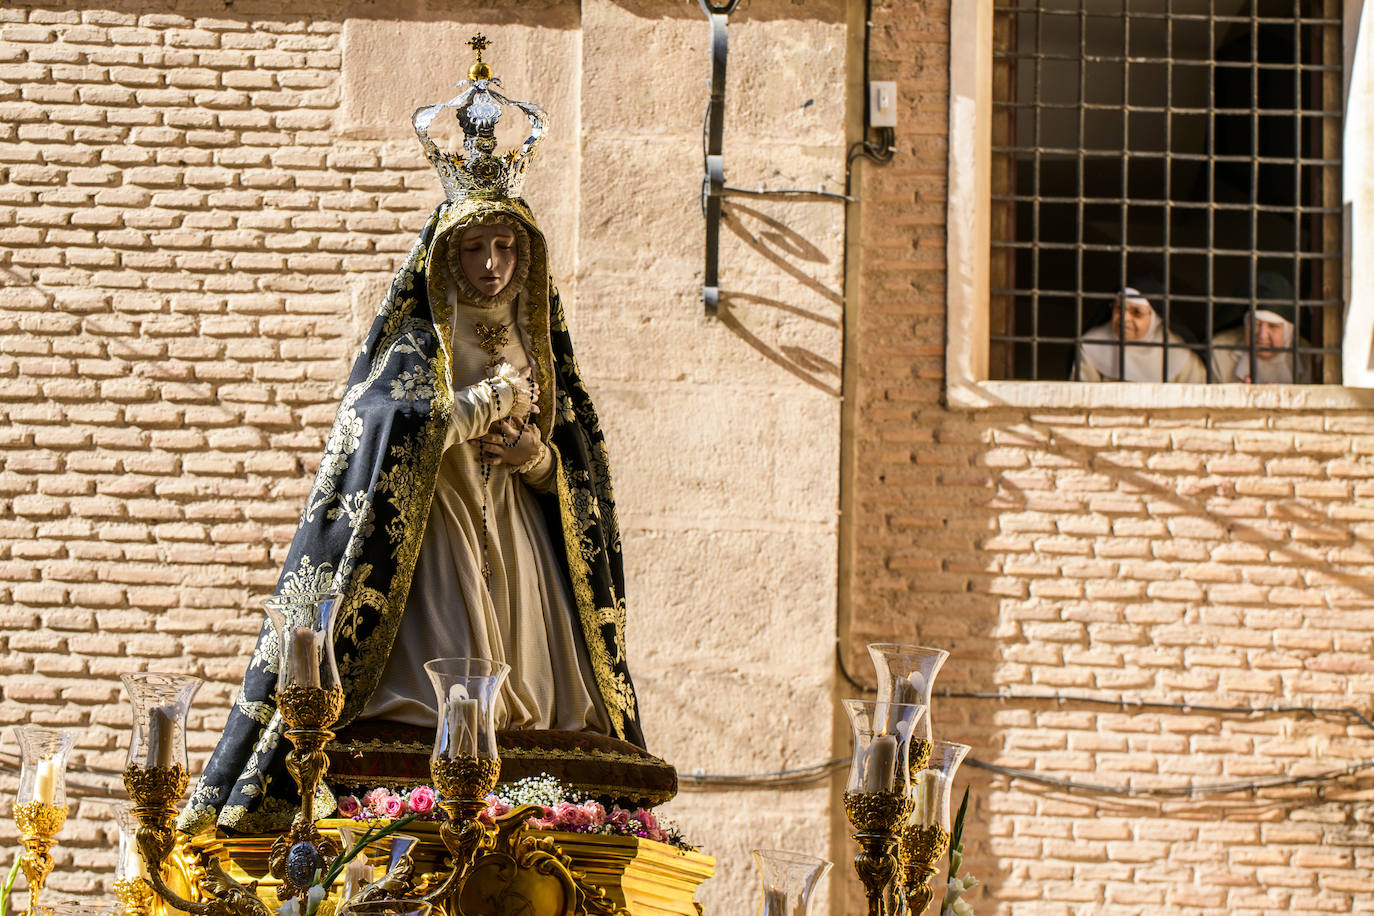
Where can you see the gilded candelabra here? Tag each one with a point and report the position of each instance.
(302, 852)
(903, 894)
(462, 783)
(465, 765)
(925, 841)
(876, 817)
(877, 798)
(919, 851)
(38, 823)
(156, 779)
(155, 791)
(40, 806)
(134, 895)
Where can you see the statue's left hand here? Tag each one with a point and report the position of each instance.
(495, 449)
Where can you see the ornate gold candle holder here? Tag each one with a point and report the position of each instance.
(303, 850)
(876, 817)
(925, 840)
(38, 823)
(40, 806)
(877, 798)
(156, 779)
(465, 765)
(919, 851)
(134, 895)
(310, 698)
(155, 792)
(462, 783)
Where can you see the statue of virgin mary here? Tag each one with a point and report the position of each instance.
(463, 506)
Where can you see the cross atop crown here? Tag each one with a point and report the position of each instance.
(479, 69)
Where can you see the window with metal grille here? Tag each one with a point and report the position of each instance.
(1186, 148)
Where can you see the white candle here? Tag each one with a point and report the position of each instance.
(305, 661)
(133, 862)
(162, 726)
(45, 781)
(463, 715)
(926, 786)
(882, 764)
(357, 875)
(918, 687)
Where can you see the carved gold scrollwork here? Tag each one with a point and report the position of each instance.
(155, 792)
(522, 872)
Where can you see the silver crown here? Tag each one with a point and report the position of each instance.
(477, 171)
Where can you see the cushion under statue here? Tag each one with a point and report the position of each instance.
(390, 754)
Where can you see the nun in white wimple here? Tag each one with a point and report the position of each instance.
(1273, 332)
(1100, 354)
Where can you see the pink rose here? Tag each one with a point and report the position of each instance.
(422, 800)
(497, 808)
(567, 814)
(393, 806)
(374, 798)
(349, 807)
(594, 813)
(541, 823)
(621, 818)
(647, 819)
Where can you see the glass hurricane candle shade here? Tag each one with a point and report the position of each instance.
(304, 625)
(882, 743)
(466, 690)
(388, 908)
(906, 674)
(43, 767)
(930, 788)
(402, 845)
(130, 865)
(160, 704)
(79, 908)
(786, 881)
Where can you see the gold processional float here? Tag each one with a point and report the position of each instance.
(897, 797)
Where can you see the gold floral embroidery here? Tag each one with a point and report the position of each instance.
(416, 385)
(615, 688)
(361, 520)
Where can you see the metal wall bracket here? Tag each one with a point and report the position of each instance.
(713, 182)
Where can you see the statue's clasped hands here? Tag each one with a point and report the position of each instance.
(514, 442)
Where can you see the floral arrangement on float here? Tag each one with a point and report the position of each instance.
(561, 810)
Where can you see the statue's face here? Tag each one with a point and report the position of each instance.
(488, 255)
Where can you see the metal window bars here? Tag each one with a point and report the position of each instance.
(1196, 141)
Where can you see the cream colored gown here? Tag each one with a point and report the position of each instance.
(525, 616)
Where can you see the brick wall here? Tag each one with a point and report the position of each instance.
(1204, 557)
(177, 235)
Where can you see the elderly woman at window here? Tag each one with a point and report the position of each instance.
(1273, 324)
(1144, 358)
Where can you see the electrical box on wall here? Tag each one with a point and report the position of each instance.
(882, 104)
